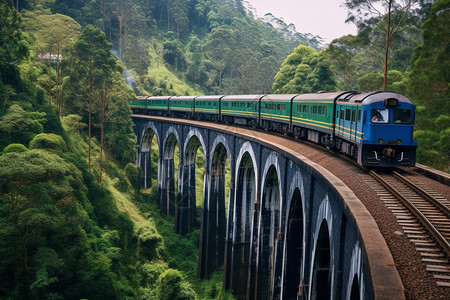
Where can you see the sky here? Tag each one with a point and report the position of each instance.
(325, 18)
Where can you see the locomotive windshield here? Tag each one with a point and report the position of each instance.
(380, 115)
(402, 116)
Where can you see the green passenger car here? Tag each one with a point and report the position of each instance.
(181, 106)
(314, 111)
(207, 104)
(277, 108)
(244, 109)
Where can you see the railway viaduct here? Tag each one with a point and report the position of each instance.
(291, 229)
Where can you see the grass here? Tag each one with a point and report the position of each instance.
(159, 72)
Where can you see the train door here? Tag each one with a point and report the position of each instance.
(340, 120)
(353, 125)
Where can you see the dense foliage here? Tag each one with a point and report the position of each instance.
(213, 45)
(429, 87)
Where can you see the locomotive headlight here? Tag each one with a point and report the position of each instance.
(399, 142)
(380, 141)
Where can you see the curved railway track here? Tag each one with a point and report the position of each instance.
(424, 217)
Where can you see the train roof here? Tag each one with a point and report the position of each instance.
(343, 96)
(324, 96)
(182, 98)
(242, 97)
(371, 97)
(208, 98)
(158, 97)
(279, 97)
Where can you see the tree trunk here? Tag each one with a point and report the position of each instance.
(386, 47)
(90, 114)
(101, 151)
(50, 79)
(102, 126)
(58, 83)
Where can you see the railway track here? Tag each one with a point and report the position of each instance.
(424, 217)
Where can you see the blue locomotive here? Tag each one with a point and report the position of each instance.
(376, 128)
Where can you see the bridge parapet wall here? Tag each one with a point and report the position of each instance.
(290, 230)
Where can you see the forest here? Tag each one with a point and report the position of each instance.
(74, 222)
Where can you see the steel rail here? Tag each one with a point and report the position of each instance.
(421, 217)
(441, 206)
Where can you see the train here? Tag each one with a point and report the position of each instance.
(374, 128)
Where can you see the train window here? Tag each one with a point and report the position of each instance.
(347, 114)
(402, 116)
(353, 115)
(322, 110)
(337, 114)
(380, 115)
(315, 109)
(342, 113)
(283, 106)
(359, 115)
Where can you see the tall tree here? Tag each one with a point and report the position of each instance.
(54, 31)
(384, 15)
(13, 47)
(341, 53)
(95, 62)
(178, 10)
(304, 71)
(217, 49)
(430, 88)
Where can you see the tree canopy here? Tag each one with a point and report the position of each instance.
(304, 71)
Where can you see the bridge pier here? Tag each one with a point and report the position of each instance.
(167, 192)
(212, 236)
(146, 176)
(186, 206)
(238, 240)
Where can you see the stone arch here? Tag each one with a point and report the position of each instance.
(247, 149)
(168, 172)
(293, 246)
(218, 197)
(147, 136)
(354, 288)
(186, 204)
(194, 132)
(245, 196)
(213, 228)
(144, 159)
(321, 270)
(269, 226)
(170, 143)
(221, 139)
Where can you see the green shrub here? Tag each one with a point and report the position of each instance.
(148, 241)
(50, 142)
(133, 174)
(172, 286)
(14, 148)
